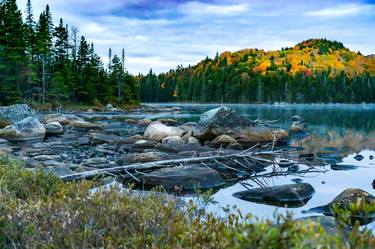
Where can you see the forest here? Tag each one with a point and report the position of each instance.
(314, 71)
(45, 63)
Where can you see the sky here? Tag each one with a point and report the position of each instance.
(162, 34)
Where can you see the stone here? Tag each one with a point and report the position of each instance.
(222, 141)
(100, 138)
(167, 121)
(343, 167)
(63, 119)
(225, 121)
(173, 140)
(96, 161)
(29, 129)
(3, 141)
(54, 128)
(297, 118)
(141, 145)
(183, 178)
(142, 158)
(344, 200)
(129, 140)
(290, 195)
(14, 113)
(359, 157)
(145, 122)
(47, 158)
(298, 130)
(109, 107)
(156, 131)
(234, 146)
(194, 140)
(84, 125)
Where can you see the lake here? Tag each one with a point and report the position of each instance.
(348, 128)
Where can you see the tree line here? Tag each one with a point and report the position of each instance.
(45, 63)
(255, 76)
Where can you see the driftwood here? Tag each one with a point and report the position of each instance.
(245, 162)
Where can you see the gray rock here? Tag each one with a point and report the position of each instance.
(14, 113)
(54, 128)
(142, 145)
(142, 158)
(29, 129)
(63, 119)
(129, 140)
(290, 195)
(173, 140)
(144, 122)
(156, 131)
(48, 158)
(183, 178)
(344, 200)
(96, 161)
(84, 125)
(225, 121)
(109, 107)
(100, 138)
(222, 141)
(194, 140)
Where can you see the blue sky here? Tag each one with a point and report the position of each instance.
(162, 34)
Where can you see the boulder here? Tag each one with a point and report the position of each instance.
(109, 107)
(183, 178)
(142, 158)
(344, 200)
(29, 129)
(298, 130)
(194, 141)
(173, 140)
(156, 131)
(100, 138)
(63, 119)
(290, 195)
(14, 113)
(54, 128)
(225, 121)
(167, 121)
(145, 121)
(222, 141)
(142, 145)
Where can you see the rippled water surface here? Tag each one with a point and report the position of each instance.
(348, 128)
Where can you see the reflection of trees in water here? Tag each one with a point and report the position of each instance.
(349, 142)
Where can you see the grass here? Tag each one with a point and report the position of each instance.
(39, 211)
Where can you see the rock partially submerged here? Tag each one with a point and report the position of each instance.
(290, 195)
(225, 121)
(344, 200)
(29, 129)
(14, 113)
(183, 178)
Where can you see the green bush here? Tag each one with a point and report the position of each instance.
(40, 211)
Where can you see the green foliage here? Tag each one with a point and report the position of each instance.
(40, 63)
(40, 211)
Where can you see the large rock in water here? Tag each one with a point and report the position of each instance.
(157, 131)
(29, 129)
(344, 200)
(14, 113)
(225, 121)
(291, 195)
(185, 178)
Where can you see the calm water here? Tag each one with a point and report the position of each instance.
(349, 128)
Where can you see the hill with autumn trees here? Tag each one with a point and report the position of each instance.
(313, 71)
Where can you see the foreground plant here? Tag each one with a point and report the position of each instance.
(39, 211)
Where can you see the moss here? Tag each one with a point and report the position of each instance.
(40, 211)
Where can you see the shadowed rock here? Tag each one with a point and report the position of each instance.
(14, 113)
(290, 195)
(344, 200)
(225, 121)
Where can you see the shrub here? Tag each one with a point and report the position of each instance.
(39, 211)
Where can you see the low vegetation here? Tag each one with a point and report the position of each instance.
(39, 211)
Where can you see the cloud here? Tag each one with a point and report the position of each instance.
(162, 34)
(342, 10)
(199, 8)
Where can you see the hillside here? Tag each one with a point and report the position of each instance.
(315, 70)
